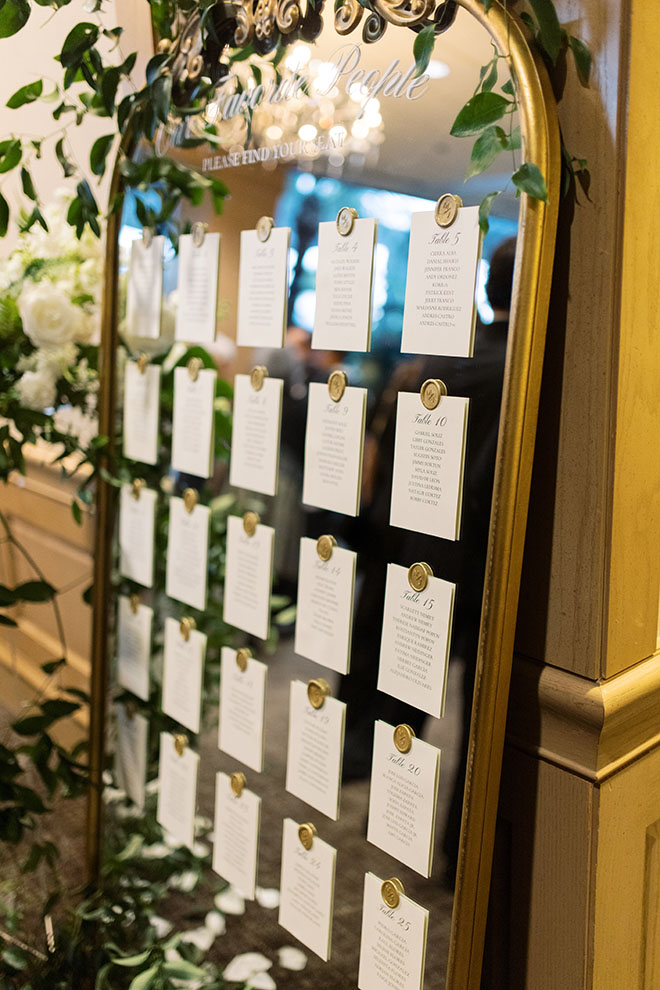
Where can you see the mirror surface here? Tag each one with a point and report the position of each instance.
(388, 158)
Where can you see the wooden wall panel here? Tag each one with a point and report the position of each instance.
(561, 617)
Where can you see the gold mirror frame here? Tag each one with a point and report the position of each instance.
(519, 410)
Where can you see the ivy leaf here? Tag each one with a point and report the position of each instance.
(583, 59)
(529, 179)
(67, 167)
(78, 41)
(26, 94)
(56, 708)
(550, 34)
(35, 591)
(485, 206)
(52, 665)
(479, 111)
(109, 84)
(11, 954)
(514, 139)
(488, 76)
(28, 185)
(10, 154)
(4, 215)
(97, 158)
(31, 725)
(507, 88)
(145, 979)
(182, 970)
(162, 92)
(13, 16)
(7, 596)
(136, 960)
(486, 149)
(76, 512)
(423, 49)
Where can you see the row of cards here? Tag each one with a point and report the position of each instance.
(402, 812)
(417, 621)
(404, 785)
(439, 311)
(429, 455)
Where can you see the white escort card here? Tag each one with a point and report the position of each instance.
(439, 312)
(342, 321)
(249, 576)
(242, 707)
(145, 288)
(197, 287)
(402, 799)
(187, 553)
(429, 459)
(263, 288)
(236, 842)
(141, 411)
(393, 942)
(134, 623)
(316, 747)
(131, 753)
(255, 444)
(177, 788)
(184, 653)
(414, 648)
(137, 523)
(307, 887)
(324, 617)
(334, 442)
(192, 421)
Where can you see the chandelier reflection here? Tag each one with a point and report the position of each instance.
(297, 114)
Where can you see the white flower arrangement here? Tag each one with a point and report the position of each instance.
(50, 288)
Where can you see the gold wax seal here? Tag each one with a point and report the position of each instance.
(237, 782)
(142, 362)
(403, 738)
(134, 602)
(198, 233)
(391, 892)
(306, 835)
(190, 499)
(137, 486)
(325, 545)
(180, 743)
(186, 626)
(147, 236)
(242, 657)
(250, 522)
(317, 691)
(337, 383)
(418, 575)
(264, 227)
(194, 366)
(345, 220)
(446, 209)
(257, 376)
(431, 392)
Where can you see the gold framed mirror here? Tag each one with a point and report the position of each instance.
(258, 193)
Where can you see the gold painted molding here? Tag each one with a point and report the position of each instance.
(590, 728)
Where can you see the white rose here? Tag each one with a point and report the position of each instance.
(36, 390)
(49, 317)
(56, 360)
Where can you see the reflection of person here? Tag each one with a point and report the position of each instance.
(462, 561)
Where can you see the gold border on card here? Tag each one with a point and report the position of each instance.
(522, 381)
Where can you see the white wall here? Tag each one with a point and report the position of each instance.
(29, 56)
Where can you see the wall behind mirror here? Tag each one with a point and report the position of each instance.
(388, 158)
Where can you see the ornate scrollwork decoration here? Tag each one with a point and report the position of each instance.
(288, 15)
(348, 16)
(402, 13)
(373, 28)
